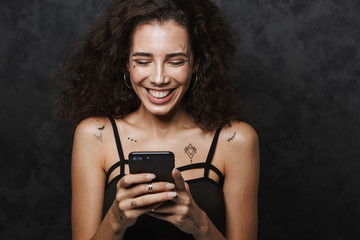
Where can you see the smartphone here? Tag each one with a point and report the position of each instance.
(160, 163)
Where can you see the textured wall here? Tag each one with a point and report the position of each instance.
(297, 66)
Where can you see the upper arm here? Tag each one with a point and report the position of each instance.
(241, 183)
(87, 179)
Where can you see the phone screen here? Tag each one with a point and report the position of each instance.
(160, 163)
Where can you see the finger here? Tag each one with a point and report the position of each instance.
(150, 208)
(150, 187)
(146, 201)
(135, 213)
(130, 179)
(169, 207)
(153, 207)
(161, 216)
(179, 180)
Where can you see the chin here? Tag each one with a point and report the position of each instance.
(160, 110)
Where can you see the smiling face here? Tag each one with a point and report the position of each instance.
(160, 65)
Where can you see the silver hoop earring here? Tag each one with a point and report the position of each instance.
(126, 82)
(196, 78)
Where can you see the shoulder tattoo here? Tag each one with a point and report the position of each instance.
(232, 137)
(99, 136)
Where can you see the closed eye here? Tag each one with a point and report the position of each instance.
(177, 63)
(141, 62)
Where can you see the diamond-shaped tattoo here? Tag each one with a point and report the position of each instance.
(190, 150)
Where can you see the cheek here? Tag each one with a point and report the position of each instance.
(182, 75)
(137, 74)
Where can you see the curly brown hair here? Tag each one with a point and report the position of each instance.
(95, 72)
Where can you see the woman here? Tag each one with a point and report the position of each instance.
(160, 70)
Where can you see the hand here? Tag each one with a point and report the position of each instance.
(134, 199)
(182, 211)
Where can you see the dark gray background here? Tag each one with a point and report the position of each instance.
(298, 69)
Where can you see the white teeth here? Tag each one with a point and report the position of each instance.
(159, 94)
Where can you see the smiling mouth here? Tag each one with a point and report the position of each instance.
(159, 94)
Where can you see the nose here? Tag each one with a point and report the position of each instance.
(160, 77)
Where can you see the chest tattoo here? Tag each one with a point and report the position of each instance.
(190, 150)
(131, 139)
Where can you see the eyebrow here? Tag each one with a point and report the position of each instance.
(142, 54)
(170, 55)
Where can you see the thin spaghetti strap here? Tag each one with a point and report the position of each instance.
(211, 153)
(119, 147)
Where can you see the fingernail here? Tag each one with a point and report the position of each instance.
(172, 194)
(150, 176)
(170, 186)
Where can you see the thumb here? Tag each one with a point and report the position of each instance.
(179, 180)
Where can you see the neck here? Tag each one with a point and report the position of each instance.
(161, 125)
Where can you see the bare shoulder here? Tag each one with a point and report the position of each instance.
(92, 138)
(239, 134)
(239, 145)
(94, 129)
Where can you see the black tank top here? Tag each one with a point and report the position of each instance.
(207, 194)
